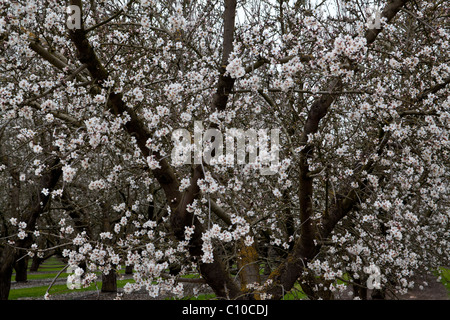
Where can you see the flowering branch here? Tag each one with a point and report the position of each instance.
(284, 277)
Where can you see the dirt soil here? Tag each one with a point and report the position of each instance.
(434, 290)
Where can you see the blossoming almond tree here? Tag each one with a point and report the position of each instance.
(360, 98)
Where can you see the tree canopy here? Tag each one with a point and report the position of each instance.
(357, 90)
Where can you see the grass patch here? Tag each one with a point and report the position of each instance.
(444, 273)
(37, 292)
(207, 296)
(51, 264)
(49, 269)
(40, 276)
(296, 293)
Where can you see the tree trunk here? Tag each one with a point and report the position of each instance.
(378, 294)
(21, 267)
(39, 203)
(35, 263)
(6, 269)
(5, 281)
(129, 270)
(109, 282)
(359, 290)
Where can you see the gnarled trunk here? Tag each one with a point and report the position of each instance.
(21, 267)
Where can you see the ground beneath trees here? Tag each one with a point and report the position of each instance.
(434, 291)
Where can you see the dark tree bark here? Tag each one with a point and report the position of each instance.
(21, 267)
(6, 269)
(129, 270)
(9, 255)
(109, 282)
(359, 291)
(35, 263)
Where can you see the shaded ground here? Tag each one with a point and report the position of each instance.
(97, 295)
(434, 291)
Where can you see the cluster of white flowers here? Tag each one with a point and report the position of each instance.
(152, 118)
(145, 22)
(184, 183)
(235, 69)
(177, 22)
(97, 130)
(36, 148)
(292, 67)
(147, 3)
(382, 144)
(51, 19)
(276, 193)
(252, 82)
(97, 185)
(68, 173)
(152, 162)
(208, 184)
(173, 92)
(22, 233)
(138, 94)
(99, 99)
(67, 230)
(350, 47)
(106, 235)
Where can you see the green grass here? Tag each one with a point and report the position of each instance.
(295, 293)
(445, 278)
(52, 267)
(36, 292)
(208, 296)
(51, 264)
(39, 276)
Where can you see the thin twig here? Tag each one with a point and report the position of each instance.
(109, 19)
(54, 279)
